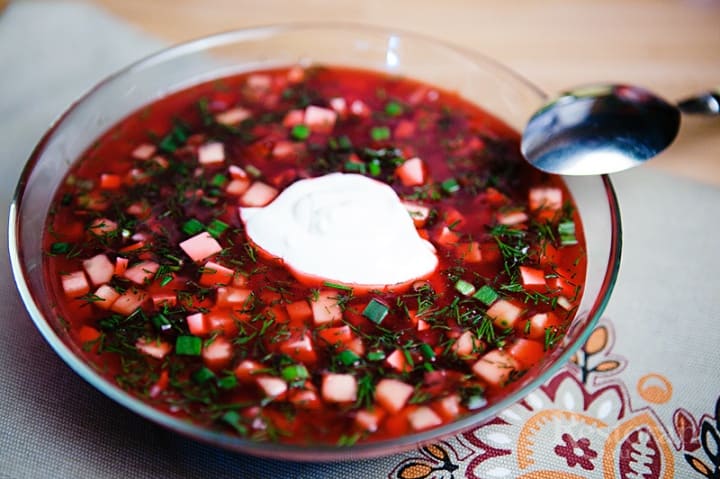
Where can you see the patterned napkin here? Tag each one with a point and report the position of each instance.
(639, 400)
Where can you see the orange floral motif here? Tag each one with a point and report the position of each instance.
(655, 388)
(579, 424)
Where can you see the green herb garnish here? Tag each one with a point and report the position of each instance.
(427, 351)
(375, 311)
(294, 372)
(341, 287)
(193, 227)
(375, 356)
(300, 132)
(380, 133)
(227, 382)
(355, 167)
(234, 420)
(486, 295)
(566, 230)
(216, 228)
(347, 358)
(161, 322)
(188, 345)
(393, 108)
(374, 168)
(203, 375)
(464, 288)
(450, 186)
(59, 247)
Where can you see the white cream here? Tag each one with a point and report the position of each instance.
(342, 227)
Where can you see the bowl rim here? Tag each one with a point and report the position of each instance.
(312, 453)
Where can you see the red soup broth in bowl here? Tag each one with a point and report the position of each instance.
(169, 295)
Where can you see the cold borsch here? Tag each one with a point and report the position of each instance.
(317, 255)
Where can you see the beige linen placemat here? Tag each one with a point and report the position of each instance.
(639, 401)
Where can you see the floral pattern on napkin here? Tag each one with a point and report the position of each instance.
(581, 423)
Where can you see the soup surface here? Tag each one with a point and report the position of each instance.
(233, 255)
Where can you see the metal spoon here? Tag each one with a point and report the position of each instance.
(606, 128)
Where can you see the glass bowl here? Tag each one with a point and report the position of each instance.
(478, 79)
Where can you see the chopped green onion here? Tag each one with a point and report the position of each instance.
(218, 180)
(217, 228)
(374, 167)
(173, 140)
(348, 358)
(341, 287)
(552, 336)
(450, 186)
(166, 280)
(234, 420)
(568, 240)
(300, 132)
(345, 143)
(346, 441)
(375, 311)
(355, 167)
(375, 356)
(203, 375)
(427, 351)
(253, 171)
(208, 201)
(486, 295)
(59, 248)
(227, 382)
(566, 229)
(188, 345)
(464, 288)
(393, 108)
(161, 322)
(294, 372)
(193, 227)
(379, 133)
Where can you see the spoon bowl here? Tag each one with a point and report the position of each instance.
(599, 129)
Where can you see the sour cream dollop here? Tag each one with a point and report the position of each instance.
(345, 228)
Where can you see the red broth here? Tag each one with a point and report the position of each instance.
(236, 343)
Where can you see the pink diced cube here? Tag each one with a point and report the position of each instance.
(259, 194)
(271, 386)
(504, 313)
(339, 388)
(153, 347)
(320, 119)
(325, 308)
(99, 269)
(75, 284)
(129, 301)
(393, 394)
(201, 246)
(142, 272)
(211, 153)
(233, 116)
(339, 105)
(495, 367)
(424, 418)
(105, 297)
(294, 117)
(144, 151)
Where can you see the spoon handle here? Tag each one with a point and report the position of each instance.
(707, 103)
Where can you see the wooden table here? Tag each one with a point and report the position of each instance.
(669, 46)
